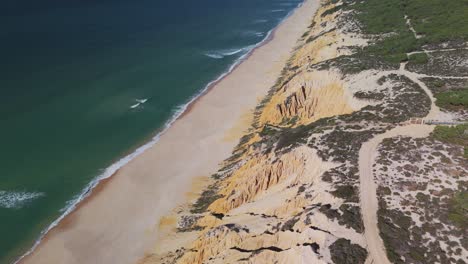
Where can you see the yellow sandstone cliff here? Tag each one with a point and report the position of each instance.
(263, 213)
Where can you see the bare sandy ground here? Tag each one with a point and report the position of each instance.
(368, 188)
(119, 223)
(369, 201)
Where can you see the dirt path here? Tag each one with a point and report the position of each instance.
(369, 202)
(433, 51)
(368, 187)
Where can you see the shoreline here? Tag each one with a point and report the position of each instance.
(102, 182)
(102, 179)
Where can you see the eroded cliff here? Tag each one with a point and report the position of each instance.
(290, 191)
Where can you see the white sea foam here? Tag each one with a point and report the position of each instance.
(234, 51)
(109, 171)
(139, 102)
(16, 200)
(258, 21)
(277, 10)
(214, 55)
(219, 54)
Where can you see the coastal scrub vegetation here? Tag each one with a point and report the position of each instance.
(458, 209)
(435, 21)
(438, 20)
(339, 138)
(207, 197)
(332, 10)
(343, 251)
(434, 195)
(387, 18)
(453, 100)
(450, 94)
(455, 135)
(418, 58)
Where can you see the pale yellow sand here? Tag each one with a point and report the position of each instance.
(120, 222)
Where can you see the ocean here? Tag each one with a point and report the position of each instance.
(87, 85)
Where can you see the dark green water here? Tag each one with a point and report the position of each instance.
(71, 71)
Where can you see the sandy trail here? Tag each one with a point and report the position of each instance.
(433, 51)
(368, 187)
(369, 202)
(434, 112)
(119, 223)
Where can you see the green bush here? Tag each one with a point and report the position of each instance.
(455, 135)
(435, 20)
(439, 20)
(458, 209)
(453, 99)
(331, 10)
(380, 17)
(418, 58)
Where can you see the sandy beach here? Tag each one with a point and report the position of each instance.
(119, 222)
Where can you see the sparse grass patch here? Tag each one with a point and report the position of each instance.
(289, 121)
(295, 136)
(207, 197)
(332, 10)
(438, 83)
(268, 130)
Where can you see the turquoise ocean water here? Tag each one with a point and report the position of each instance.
(85, 83)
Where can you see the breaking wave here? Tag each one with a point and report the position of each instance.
(219, 54)
(16, 200)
